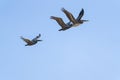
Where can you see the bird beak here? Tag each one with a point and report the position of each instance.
(39, 40)
(85, 20)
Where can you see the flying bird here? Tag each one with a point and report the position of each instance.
(64, 26)
(76, 21)
(31, 42)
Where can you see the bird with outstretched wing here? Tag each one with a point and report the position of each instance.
(31, 42)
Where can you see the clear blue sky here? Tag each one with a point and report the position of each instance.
(90, 51)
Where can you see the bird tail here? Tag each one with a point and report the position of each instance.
(60, 30)
(26, 45)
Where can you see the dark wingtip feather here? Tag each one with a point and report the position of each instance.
(52, 17)
(82, 10)
(63, 9)
(38, 36)
(21, 37)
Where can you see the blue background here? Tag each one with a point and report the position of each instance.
(90, 51)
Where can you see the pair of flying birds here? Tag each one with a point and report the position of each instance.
(73, 22)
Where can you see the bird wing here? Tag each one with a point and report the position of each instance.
(26, 40)
(38, 36)
(59, 21)
(35, 39)
(69, 15)
(80, 15)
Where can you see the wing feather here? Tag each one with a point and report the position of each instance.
(69, 15)
(59, 21)
(26, 40)
(80, 15)
(36, 37)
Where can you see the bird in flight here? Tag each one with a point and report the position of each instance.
(78, 20)
(64, 26)
(31, 42)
